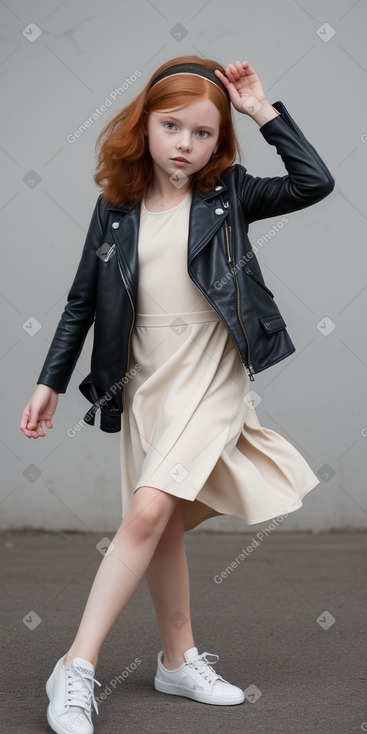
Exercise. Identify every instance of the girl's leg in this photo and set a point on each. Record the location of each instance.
(122, 569)
(168, 580)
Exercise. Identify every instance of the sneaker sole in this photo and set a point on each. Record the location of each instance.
(176, 690)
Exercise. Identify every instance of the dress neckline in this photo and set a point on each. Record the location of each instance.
(166, 211)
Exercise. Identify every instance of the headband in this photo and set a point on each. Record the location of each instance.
(198, 69)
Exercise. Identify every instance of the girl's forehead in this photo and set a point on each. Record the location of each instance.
(203, 107)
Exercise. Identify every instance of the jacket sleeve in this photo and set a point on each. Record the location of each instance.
(78, 314)
(308, 180)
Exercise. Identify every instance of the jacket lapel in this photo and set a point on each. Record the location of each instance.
(207, 215)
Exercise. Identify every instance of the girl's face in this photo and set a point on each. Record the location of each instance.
(191, 133)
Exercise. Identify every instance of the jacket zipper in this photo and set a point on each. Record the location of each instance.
(219, 314)
(249, 369)
(131, 328)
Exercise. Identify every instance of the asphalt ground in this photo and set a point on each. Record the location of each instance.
(287, 619)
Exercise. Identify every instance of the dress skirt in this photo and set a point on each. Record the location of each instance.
(189, 428)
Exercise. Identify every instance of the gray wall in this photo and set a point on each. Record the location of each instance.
(315, 264)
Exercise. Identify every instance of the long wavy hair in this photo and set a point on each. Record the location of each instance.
(124, 164)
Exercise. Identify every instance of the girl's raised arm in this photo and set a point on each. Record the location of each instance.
(308, 180)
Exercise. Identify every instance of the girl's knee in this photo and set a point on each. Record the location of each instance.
(173, 534)
(149, 512)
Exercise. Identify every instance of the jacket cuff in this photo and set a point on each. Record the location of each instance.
(51, 383)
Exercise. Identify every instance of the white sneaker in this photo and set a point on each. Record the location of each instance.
(70, 690)
(196, 679)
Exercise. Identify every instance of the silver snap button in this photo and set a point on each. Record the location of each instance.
(115, 225)
(219, 211)
(218, 188)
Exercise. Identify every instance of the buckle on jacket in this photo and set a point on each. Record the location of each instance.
(110, 417)
(111, 410)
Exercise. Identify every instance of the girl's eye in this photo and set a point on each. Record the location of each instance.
(173, 125)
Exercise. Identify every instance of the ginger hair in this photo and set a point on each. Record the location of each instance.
(124, 164)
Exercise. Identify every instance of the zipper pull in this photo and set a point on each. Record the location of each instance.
(110, 253)
(250, 372)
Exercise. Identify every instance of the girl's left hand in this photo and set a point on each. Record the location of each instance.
(243, 86)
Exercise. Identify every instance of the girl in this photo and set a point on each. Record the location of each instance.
(174, 288)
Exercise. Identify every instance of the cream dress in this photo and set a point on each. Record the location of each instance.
(188, 425)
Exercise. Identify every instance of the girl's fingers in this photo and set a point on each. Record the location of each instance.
(245, 69)
(239, 66)
(238, 71)
(38, 431)
(231, 71)
(24, 420)
(31, 433)
(41, 427)
(222, 78)
(24, 425)
(234, 72)
(37, 428)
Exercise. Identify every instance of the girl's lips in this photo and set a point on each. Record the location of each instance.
(180, 160)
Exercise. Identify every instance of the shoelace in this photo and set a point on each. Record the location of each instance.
(201, 664)
(80, 686)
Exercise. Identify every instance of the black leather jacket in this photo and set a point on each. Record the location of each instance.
(221, 263)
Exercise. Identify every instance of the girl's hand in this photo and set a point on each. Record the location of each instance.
(244, 87)
(40, 408)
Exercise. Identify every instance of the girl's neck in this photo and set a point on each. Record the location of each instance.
(156, 201)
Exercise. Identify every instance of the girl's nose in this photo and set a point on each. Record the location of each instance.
(184, 143)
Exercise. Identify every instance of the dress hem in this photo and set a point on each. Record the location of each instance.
(216, 511)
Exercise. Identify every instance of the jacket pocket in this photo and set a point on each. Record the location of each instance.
(259, 281)
(272, 323)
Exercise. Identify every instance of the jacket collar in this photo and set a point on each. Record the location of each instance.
(205, 195)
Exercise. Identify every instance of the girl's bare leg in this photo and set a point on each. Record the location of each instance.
(122, 569)
(168, 580)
